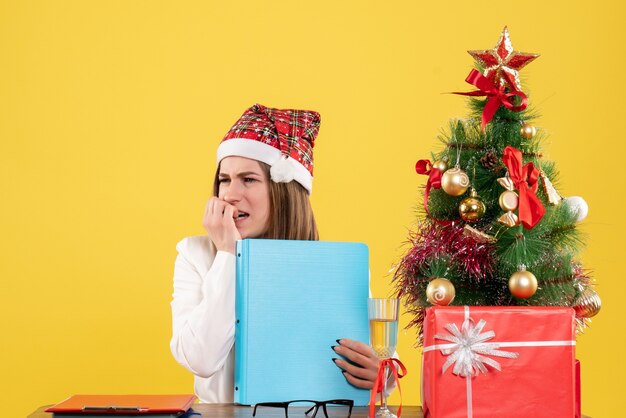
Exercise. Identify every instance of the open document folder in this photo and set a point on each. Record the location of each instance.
(294, 299)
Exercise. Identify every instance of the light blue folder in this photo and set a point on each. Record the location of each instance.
(294, 299)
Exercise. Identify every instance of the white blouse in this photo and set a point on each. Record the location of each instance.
(203, 317)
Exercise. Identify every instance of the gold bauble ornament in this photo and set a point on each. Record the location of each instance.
(588, 304)
(441, 165)
(440, 292)
(455, 181)
(523, 284)
(472, 208)
(528, 131)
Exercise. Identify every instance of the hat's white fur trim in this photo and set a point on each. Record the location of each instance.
(286, 169)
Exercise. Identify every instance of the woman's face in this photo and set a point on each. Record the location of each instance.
(244, 184)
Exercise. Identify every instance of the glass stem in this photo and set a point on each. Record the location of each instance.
(383, 394)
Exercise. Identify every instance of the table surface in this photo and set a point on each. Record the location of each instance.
(236, 411)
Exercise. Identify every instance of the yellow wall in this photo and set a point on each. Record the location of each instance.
(111, 111)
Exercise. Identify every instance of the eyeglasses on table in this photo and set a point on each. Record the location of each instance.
(334, 408)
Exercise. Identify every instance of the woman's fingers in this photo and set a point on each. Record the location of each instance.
(357, 352)
(359, 383)
(208, 220)
(356, 371)
(360, 365)
(219, 223)
(214, 210)
(357, 346)
(229, 215)
(218, 206)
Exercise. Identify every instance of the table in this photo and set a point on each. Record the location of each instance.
(236, 411)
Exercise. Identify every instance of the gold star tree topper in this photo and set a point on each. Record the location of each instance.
(502, 63)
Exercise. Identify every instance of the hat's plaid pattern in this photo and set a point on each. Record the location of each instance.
(291, 131)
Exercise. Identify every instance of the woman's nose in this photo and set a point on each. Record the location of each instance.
(233, 192)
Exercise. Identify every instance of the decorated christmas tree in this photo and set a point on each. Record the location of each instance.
(493, 230)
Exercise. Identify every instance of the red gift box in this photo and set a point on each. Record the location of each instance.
(534, 348)
(577, 375)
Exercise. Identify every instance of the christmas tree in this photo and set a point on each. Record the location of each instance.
(493, 230)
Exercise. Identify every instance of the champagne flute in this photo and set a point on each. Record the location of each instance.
(383, 317)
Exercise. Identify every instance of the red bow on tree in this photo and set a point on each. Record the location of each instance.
(497, 95)
(434, 177)
(434, 180)
(525, 178)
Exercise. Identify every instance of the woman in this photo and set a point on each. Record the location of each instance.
(261, 190)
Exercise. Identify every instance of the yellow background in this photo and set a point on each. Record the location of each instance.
(111, 112)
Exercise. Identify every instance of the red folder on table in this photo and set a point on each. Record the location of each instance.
(128, 405)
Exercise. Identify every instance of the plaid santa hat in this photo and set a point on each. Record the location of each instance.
(281, 138)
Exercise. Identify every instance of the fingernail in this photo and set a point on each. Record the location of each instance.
(332, 347)
(334, 359)
(338, 341)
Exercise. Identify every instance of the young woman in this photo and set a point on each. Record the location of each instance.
(261, 190)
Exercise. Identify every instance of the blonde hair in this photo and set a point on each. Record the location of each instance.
(291, 215)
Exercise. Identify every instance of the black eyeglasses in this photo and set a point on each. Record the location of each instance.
(335, 408)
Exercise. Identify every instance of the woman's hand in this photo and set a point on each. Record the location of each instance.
(362, 367)
(219, 223)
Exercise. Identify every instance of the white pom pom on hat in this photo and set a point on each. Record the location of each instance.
(282, 171)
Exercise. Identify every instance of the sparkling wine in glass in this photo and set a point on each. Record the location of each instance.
(384, 336)
(383, 317)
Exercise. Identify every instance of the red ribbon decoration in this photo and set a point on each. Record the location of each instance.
(434, 180)
(497, 96)
(525, 178)
(380, 381)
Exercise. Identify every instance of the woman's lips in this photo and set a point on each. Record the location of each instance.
(241, 216)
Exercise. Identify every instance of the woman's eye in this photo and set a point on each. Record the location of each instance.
(249, 180)
(222, 180)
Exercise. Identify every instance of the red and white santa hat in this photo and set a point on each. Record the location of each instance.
(281, 138)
